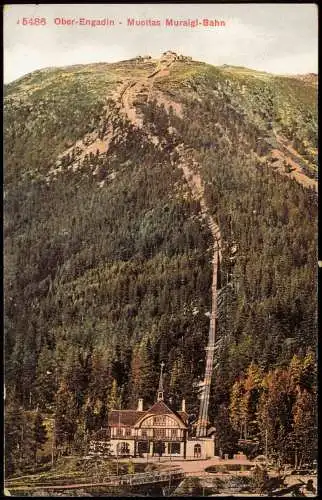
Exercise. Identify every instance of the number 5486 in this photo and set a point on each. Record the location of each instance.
(34, 21)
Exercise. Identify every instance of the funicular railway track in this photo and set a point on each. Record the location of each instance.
(192, 176)
(194, 181)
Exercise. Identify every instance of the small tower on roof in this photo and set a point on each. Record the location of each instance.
(160, 395)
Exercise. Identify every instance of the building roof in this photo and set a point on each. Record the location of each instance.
(160, 408)
(128, 418)
(183, 415)
(124, 417)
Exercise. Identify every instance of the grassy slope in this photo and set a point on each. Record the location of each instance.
(52, 108)
(48, 110)
(287, 105)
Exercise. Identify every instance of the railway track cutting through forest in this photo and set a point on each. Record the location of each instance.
(191, 171)
(195, 183)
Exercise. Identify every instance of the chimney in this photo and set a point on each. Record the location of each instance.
(183, 405)
(140, 405)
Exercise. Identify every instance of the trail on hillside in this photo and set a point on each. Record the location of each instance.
(288, 162)
(130, 90)
(124, 100)
(127, 99)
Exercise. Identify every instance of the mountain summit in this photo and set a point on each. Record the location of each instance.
(282, 108)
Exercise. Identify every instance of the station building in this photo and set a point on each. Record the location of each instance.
(156, 431)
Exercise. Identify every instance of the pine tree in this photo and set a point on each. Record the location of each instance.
(275, 413)
(244, 413)
(66, 416)
(13, 429)
(227, 436)
(253, 387)
(40, 433)
(175, 385)
(88, 415)
(46, 384)
(143, 375)
(295, 370)
(308, 376)
(114, 399)
(304, 435)
(236, 396)
(80, 439)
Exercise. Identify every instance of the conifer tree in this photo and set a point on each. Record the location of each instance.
(40, 433)
(66, 416)
(227, 436)
(275, 413)
(303, 437)
(237, 393)
(13, 428)
(114, 399)
(143, 375)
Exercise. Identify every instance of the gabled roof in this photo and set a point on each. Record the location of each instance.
(160, 408)
(128, 418)
(124, 418)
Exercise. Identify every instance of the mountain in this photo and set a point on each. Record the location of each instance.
(109, 171)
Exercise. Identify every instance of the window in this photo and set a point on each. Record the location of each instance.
(128, 431)
(99, 447)
(119, 431)
(158, 448)
(143, 447)
(174, 448)
(159, 433)
(197, 451)
(174, 433)
(144, 433)
(159, 420)
(123, 449)
(147, 422)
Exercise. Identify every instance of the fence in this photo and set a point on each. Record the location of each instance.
(123, 480)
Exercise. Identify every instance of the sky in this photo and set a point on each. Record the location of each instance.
(278, 38)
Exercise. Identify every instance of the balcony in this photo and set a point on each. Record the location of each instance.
(158, 437)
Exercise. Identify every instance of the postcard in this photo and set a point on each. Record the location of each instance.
(160, 249)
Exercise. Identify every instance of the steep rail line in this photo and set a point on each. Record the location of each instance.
(193, 179)
(195, 183)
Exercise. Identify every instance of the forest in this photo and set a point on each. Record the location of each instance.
(107, 275)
